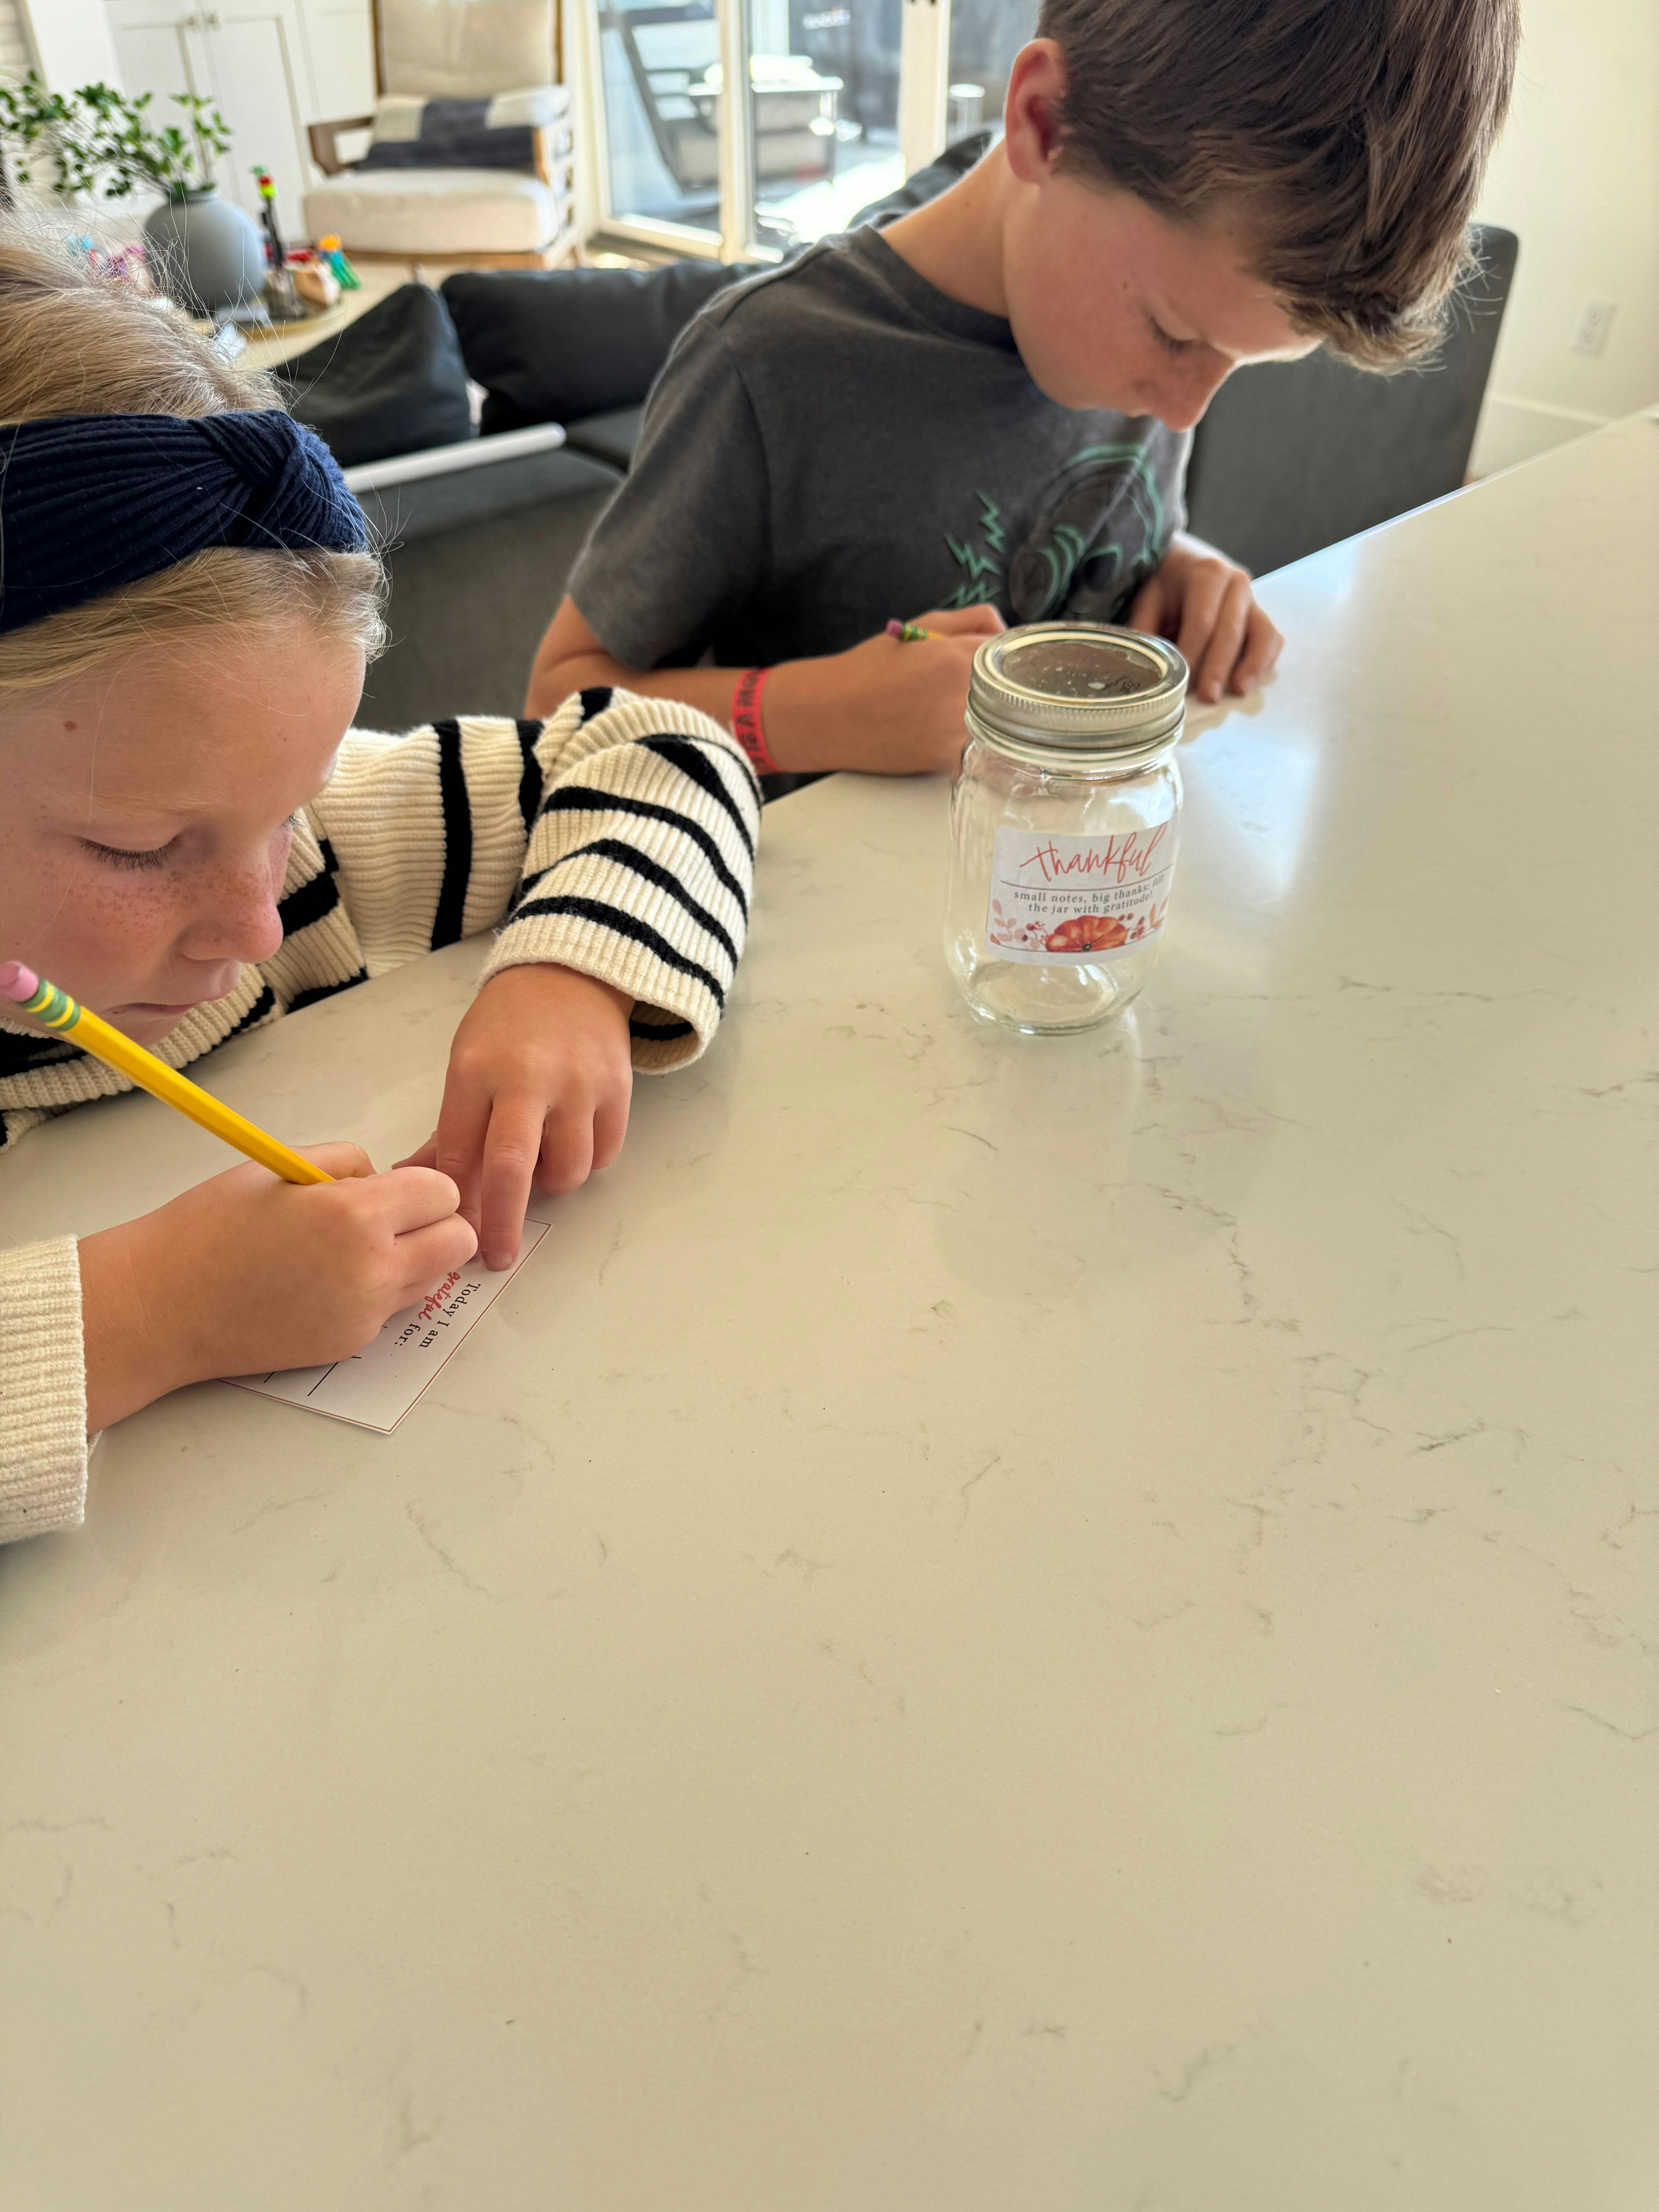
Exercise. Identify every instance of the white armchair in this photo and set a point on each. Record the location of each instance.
(442, 66)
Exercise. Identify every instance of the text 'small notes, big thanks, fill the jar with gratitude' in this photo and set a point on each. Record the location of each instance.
(1064, 816)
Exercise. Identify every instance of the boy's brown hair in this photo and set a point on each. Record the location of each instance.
(1357, 129)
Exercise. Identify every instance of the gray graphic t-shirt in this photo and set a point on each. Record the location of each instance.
(836, 442)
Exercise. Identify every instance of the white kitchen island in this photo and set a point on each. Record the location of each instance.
(991, 1625)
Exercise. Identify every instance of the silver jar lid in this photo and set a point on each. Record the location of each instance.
(1084, 689)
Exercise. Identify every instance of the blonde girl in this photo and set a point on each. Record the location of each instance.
(194, 841)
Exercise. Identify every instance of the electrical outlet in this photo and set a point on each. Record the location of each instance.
(1595, 321)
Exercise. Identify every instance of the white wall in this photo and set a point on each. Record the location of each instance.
(1576, 178)
(73, 42)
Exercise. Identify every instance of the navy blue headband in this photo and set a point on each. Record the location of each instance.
(90, 502)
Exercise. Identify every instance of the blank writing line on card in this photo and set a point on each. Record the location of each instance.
(376, 1387)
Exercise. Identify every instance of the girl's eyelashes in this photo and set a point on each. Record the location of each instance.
(156, 856)
(1169, 344)
(117, 856)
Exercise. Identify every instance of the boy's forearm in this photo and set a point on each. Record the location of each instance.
(804, 709)
(884, 706)
(552, 682)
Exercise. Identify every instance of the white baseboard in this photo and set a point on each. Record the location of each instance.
(1514, 430)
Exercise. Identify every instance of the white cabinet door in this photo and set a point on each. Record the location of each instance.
(160, 46)
(161, 49)
(261, 82)
(248, 56)
(342, 40)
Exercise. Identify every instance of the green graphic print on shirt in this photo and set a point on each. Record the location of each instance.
(981, 572)
(1100, 533)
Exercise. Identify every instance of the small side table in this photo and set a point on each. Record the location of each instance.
(267, 344)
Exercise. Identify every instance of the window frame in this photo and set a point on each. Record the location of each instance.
(924, 80)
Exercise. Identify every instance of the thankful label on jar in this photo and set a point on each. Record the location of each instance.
(1081, 899)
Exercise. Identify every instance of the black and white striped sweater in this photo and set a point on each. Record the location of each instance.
(616, 838)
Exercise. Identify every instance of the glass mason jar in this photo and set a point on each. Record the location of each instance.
(1063, 817)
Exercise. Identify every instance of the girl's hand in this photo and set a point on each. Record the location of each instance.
(1202, 602)
(247, 1274)
(541, 1075)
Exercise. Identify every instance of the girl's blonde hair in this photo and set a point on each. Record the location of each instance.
(74, 344)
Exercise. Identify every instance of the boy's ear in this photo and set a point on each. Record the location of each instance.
(1031, 112)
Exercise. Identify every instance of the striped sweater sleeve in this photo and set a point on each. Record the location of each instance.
(617, 838)
(43, 1391)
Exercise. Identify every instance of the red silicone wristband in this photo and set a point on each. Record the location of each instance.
(746, 724)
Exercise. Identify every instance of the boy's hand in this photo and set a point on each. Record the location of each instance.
(247, 1274)
(885, 707)
(1202, 602)
(541, 1075)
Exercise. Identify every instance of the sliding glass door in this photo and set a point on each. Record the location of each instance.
(657, 126)
(824, 97)
(842, 99)
(983, 38)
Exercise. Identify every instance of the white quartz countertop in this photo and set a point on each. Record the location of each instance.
(991, 1625)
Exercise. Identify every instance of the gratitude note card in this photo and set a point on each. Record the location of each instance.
(378, 1385)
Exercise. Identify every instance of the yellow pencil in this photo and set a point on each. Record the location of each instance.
(48, 1004)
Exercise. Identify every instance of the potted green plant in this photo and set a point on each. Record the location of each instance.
(203, 252)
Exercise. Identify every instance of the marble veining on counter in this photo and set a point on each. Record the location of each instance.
(1058, 1624)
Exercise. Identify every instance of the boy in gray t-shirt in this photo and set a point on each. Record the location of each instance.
(982, 412)
(838, 441)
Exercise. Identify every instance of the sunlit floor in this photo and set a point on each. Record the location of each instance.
(818, 209)
(866, 168)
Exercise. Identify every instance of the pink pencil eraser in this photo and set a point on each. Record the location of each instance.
(17, 982)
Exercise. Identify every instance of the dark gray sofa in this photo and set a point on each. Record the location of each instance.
(478, 554)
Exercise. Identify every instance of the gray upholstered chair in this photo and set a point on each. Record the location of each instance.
(1293, 455)
(478, 538)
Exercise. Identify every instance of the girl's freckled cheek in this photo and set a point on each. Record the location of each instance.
(124, 892)
(128, 909)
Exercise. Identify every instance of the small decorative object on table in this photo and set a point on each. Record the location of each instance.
(283, 303)
(331, 249)
(314, 280)
(203, 251)
(1063, 817)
